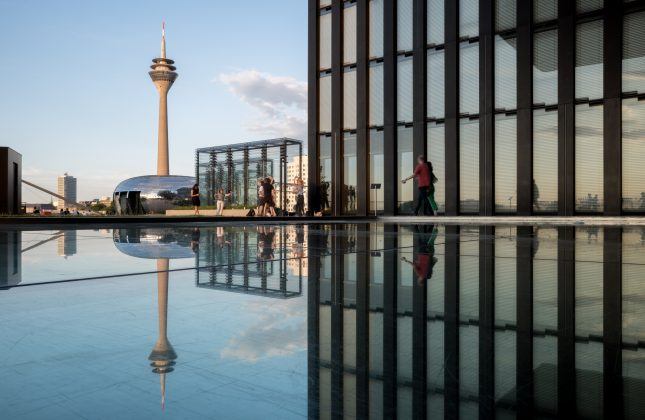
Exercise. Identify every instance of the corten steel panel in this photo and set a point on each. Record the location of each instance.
(612, 322)
(613, 47)
(486, 109)
(390, 276)
(566, 93)
(362, 104)
(566, 321)
(524, 108)
(419, 78)
(362, 320)
(337, 104)
(389, 96)
(524, 314)
(451, 9)
(451, 324)
(486, 321)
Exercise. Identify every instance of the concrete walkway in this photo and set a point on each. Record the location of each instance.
(519, 220)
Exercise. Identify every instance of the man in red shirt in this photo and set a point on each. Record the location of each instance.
(423, 176)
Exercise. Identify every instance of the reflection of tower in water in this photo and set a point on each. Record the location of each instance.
(163, 355)
(67, 243)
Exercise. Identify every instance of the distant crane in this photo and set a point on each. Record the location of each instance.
(52, 193)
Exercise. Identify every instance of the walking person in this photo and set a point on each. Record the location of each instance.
(433, 180)
(269, 203)
(422, 174)
(219, 198)
(299, 191)
(194, 197)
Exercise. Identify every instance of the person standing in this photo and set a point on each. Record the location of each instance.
(269, 203)
(433, 180)
(194, 197)
(422, 174)
(219, 198)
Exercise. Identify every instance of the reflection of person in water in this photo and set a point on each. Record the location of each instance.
(221, 237)
(536, 196)
(194, 240)
(424, 260)
(265, 242)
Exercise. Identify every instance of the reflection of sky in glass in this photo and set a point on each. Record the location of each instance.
(376, 94)
(545, 68)
(545, 158)
(349, 99)
(589, 60)
(469, 165)
(436, 84)
(324, 104)
(634, 53)
(376, 28)
(633, 146)
(505, 163)
(435, 17)
(349, 33)
(404, 90)
(468, 18)
(404, 12)
(505, 73)
(469, 78)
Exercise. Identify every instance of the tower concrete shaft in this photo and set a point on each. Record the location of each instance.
(163, 75)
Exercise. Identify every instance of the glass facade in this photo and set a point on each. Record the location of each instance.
(349, 173)
(469, 166)
(326, 173)
(545, 161)
(589, 158)
(567, 119)
(377, 165)
(405, 167)
(505, 163)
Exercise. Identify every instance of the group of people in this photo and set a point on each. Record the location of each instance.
(266, 192)
(426, 179)
(219, 196)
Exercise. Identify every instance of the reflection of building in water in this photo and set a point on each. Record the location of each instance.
(10, 258)
(67, 243)
(162, 245)
(247, 260)
(516, 323)
(163, 355)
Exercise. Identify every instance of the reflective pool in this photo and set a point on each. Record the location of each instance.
(322, 321)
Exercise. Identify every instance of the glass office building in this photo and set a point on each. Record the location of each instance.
(522, 106)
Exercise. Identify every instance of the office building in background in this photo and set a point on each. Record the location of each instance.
(67, 188)
(523, 107)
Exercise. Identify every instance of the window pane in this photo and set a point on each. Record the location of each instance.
(589, 158)
(349, 173)
(583, 6)
(469, 165)
(376, 28)
(376, 94)
(349, 99)
(505, 73)
(405, 162)
(468, 18)
(404, 25)
(545, 161)
(325, 172)
(505, 163)
(349, 33)
(436, 17)
(589, 60)
(437, 156)
(505, 14)
(377, 165)
(404, 90)
(325, 41)
(545, 10)
(633, 155)
(436, 96)
(545, 68)
(324, 3)
(324, 104)
(634, 53)
(469, 78)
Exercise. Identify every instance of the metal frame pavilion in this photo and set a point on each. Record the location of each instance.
(219, 166)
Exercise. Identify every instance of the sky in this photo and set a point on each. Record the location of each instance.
(76, 96)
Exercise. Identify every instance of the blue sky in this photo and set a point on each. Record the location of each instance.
(76, 96)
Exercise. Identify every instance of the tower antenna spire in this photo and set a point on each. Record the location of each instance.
(163, 39)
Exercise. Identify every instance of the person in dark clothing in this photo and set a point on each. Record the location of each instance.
(424, 179)
(194, 197)
(269, 203)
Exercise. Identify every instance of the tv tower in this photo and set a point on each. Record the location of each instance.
(163, 75)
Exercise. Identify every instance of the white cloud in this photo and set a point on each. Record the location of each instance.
(278, 329)
(280, 102)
